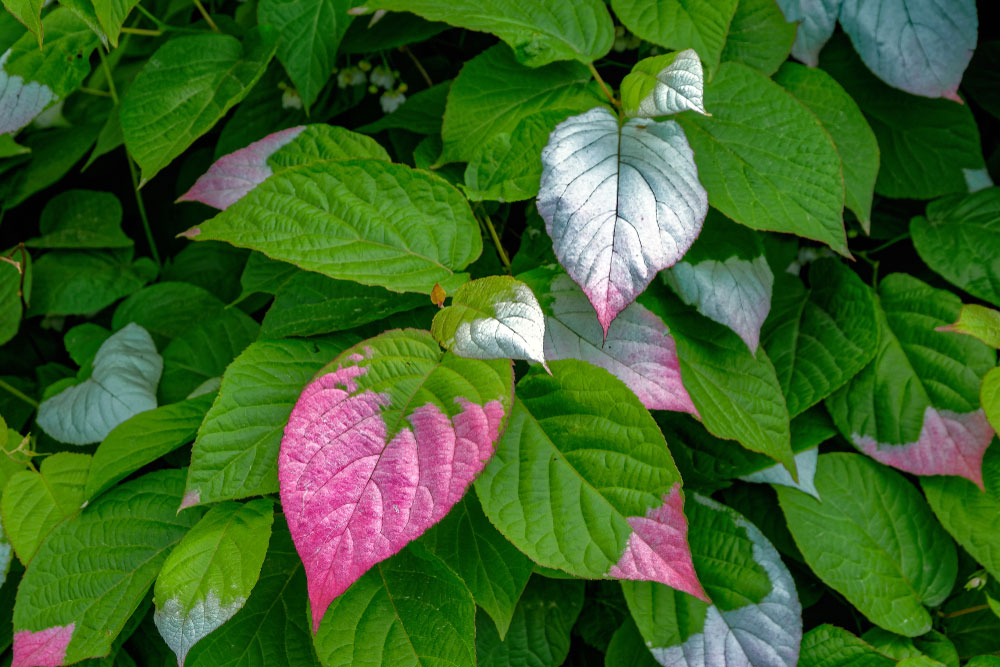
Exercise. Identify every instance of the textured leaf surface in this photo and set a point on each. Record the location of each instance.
(916, 405)
(93, 571)
(638, 349)
(144, 438)
(989, 396)
(126, 371)
(236, 452)
(539, 32)
(68, 282)
(979, 322)
(755, 618)
(379, 448)
(664, 85)
(620, 203)
(830, 646)
(81, 219)
(843, 540)
(580, 439)
(960, 239)
(409, 610)
(175, 98)
(701, 25)
(271, 628)
(726, 277)
(856, 143)
(36, 502)
(759, 36)
(10, 301)
(364, 220)
(816, 19)
(234, 175)
(29, 13)
(208, 577)
(110, 15)
(788, 175)
(491, 567)
(497, 317)
(820, 337)
(494, 92)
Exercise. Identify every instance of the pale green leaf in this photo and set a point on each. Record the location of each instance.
(979, 322)
(110, 15)
(29, 13)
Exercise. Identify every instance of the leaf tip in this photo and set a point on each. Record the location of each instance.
(191, 498)
(191, 233)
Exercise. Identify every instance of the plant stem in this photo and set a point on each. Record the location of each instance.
(141, 31)
(496, 242)
(94, 91)
(963, 612)
(890, 242)
(142, 209)
(206, 16)
(112, 91)
(604, 86)
(420, 68)
(17, 392)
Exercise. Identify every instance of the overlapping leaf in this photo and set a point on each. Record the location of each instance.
(759, 36)
(77, 282)
(81, 219)
(664, 85)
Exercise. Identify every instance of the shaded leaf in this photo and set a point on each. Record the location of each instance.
(830, 646)
(81, 219)
(76, 282)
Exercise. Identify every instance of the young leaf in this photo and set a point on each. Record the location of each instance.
(664, 85)
(788, 176)
(979, 322)
(638, 349)
(830, 646)
(759, 36)
(960, 239)
(93, 572)
(126, 371)
(207, 578)
(580, 438)
(410, 610)
(620, 203)
(364, 220)
(821, 337)
(916, 405)
(492, 318)
(539, 32)
(843, 541)
(76, 282)
(233, 176)
(755, 618)
(236, 452)
(81, 219)
(726, 277)
(36, 502)
(816, 22)
(176, 98)
(379, 447)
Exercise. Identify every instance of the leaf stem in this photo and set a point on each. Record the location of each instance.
(142, 209)
(112, 91)
(963, 612)
(496, 241)
(205, 15)
(141, 31)
(420, 68)
(604, 86)
(20, 394)
(94, 91)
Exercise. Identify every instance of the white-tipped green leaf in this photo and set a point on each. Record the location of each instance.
(123, 383)
(621, 202)
(492, 318)
(805, 463)
(755, 616)
(664, 85)
(816, 19)
(210, 574)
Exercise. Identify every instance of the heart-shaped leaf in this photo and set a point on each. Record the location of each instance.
(620, 202)
(81, 219)
(126, 371)
(664, 85)
(492, 318)
(379, 447)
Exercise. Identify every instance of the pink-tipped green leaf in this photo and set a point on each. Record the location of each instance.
(379, 447)
(45, 648)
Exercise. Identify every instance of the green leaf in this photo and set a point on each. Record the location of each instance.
(491, 567)
(28, 12)
(36, 502)
(81, 219)
(408, 610)
(236, 452)
(265, 275)
(980, 322)
(363, 220)
(10, 148)
(628, 649)
(208, 577)
(10, 301)
(33, 78)
(581, 439)
(759, 36)
(142, 439)
(175, 98)
(309, 33)
(308, 304)
(539, 32)
(916, 405)
(788, 175)
(736, 393)
(271, 628)
(989, 397)
(53, 153)
(93, 571)
(933, 648)
(540, 628)
(167, 309)
(123, 383)
(701, 25)
(421, 113)
(754, 617)
(664, 85)
(856, 143)
(926, 145)
(111, 14)
(844, 542)
(494, 92)
(75, 282)
(215, 267)
(819, 338)
(830, 646)
(960, 239)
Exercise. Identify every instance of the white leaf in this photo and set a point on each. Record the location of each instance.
(664, 85)
(805, 462)
(816, 19)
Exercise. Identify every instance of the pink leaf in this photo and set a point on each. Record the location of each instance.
(352, 495)
(236, 174)
(950, 443)
(45, 648)
(658, 549)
